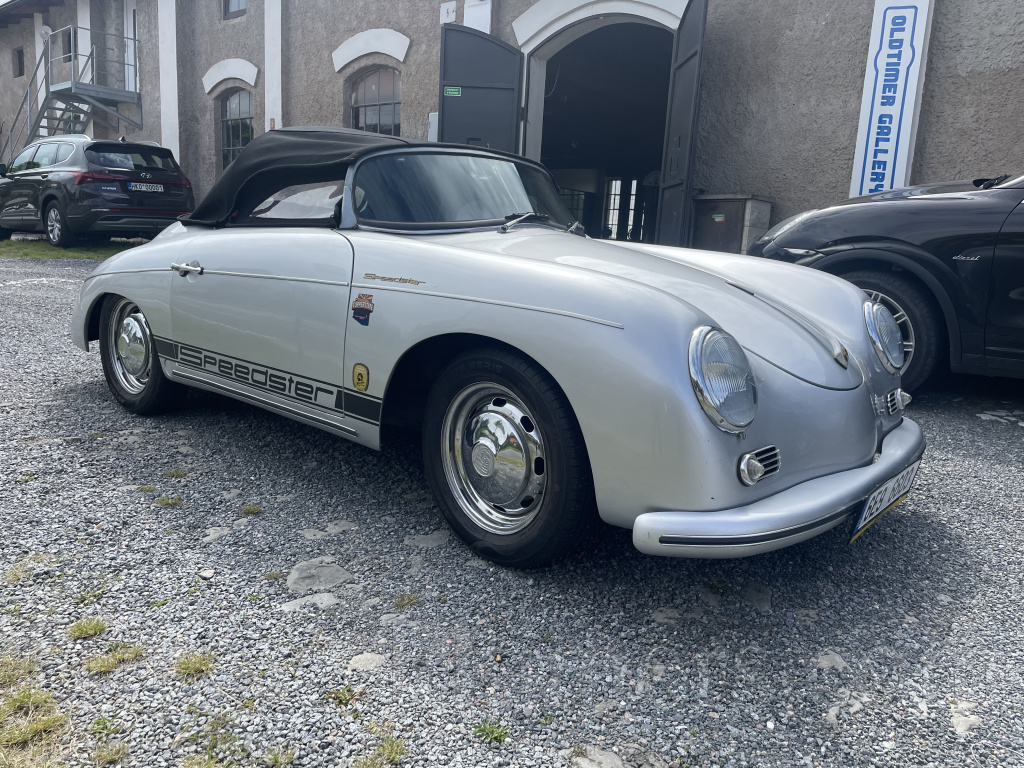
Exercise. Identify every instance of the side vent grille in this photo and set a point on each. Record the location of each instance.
(892, 402)
(769, 458)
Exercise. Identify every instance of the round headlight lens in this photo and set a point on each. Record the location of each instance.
(885, 336)
(722, 378)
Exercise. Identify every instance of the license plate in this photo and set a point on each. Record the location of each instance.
(885, 498)
(139, 186)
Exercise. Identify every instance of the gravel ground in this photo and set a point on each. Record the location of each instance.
(903, 649)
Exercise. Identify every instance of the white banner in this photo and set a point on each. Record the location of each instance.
(892, 95)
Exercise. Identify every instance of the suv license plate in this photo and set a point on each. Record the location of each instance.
(138, 186)
(885, 498)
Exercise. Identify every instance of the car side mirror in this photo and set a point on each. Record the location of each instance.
(3, 169)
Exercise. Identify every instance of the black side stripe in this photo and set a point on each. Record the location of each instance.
(166, 348)
(362, 407)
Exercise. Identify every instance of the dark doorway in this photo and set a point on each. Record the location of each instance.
(605, 100)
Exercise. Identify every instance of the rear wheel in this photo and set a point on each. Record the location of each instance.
(5, 234)
(917, 316)
(130, 363)
(505, 459)
(58, 233)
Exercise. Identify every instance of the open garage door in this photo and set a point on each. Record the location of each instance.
(675, 213)
(481, 89)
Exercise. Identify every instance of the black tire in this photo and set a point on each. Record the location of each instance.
(55, 224)
(135, 377)
(923, 321)
(507, 383)
(5, 234)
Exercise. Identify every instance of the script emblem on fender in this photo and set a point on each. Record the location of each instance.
(362, 307)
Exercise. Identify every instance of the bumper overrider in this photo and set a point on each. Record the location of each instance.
(789, 517)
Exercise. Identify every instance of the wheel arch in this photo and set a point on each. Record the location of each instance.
(92, 316)
(851, 261)
(405, 396)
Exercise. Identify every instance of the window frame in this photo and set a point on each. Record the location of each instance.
(225, 122)
(395, 104)
(229, 14)
(14, 165)
(18, 62)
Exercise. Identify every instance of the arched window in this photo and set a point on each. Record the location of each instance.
(377, 102)
(236, 123)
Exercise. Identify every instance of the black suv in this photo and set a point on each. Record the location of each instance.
(946, 259)
(67, 186)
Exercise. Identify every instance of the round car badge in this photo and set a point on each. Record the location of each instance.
(360, 377)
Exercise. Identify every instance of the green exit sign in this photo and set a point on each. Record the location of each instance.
(453, 90)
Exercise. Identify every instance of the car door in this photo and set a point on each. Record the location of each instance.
(14, 190)
(259, 313)
(34, 179)
(1004, 326)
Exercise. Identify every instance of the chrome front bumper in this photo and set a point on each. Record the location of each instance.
(789, 517)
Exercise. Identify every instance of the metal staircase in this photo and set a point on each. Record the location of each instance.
(83, 76)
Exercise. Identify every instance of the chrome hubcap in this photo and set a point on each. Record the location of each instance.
(906, 329)
(493, 456)
(131, 347)
(53, 224)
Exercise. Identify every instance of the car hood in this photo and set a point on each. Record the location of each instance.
(786, 315)
(908, 193)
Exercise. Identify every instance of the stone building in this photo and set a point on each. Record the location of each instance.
(780, 89)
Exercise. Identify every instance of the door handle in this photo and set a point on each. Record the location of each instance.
(184, 269)
(44, 176)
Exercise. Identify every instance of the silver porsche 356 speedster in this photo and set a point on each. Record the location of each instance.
(717, 405)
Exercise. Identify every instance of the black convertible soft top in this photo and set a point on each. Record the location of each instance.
(281, 158)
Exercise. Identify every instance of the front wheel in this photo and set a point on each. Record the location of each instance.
(505, 459)
(917, 316)
(130, 363)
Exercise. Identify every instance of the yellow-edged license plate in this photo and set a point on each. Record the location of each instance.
(885, 498)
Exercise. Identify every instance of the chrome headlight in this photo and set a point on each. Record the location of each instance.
(885, 335)
(722, 379)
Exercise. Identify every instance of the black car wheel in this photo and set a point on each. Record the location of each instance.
(130, 363)
(5, 234)
(505, 459)
(918, 318)
(57, 230)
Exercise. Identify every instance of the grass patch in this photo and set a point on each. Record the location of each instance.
(345, 697)
(491, 733)
(89, 596)
(27, 715)
(275, 575)
(108, 754)
(168, 501)
(193, 665)
(40, 249)
(278, 757)
(147, 489)
(116, 655)
(176, 474)
(86, 628)
(389, 751)
(28, 477)
(13, 670)
(160, 603)
(251, 509)
(405, 601)
(102, 728)
(203, 761)
(17, 573)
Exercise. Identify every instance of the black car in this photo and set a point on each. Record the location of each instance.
(67, 186)
(947, 259)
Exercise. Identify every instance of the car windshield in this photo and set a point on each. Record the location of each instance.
(131, 158)
(427, 190)
(1012, 181)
